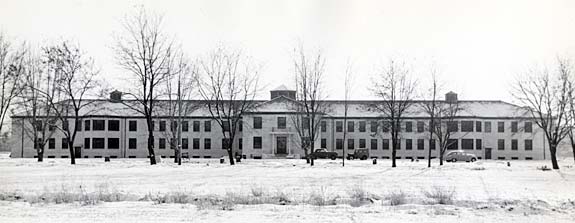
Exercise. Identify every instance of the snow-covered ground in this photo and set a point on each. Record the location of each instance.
(483, 191)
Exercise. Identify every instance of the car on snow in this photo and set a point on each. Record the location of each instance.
(361, 154)
(459, 155)
(323, 154)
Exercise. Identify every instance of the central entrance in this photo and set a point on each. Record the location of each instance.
(487, 153)
(281, 145)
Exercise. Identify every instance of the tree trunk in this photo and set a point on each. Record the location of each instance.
(572, 145)
(40, 151)
(393, 153)
(429, 154)
(553, 151)
(230, 154)
(306, 154)
(72, 153)
(151, 148)
(440, 157)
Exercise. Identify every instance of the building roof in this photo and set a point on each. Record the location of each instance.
(361, 108)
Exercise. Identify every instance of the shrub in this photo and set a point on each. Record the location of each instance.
(396, 198)
(321, 197)
(358, 196)
(440, 195)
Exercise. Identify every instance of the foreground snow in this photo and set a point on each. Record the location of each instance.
(484, 191)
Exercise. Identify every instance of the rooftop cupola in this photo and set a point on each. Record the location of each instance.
(116, 96)
(451, 97)
(282, 90)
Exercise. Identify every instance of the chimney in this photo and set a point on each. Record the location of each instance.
(451, 97)
(282, 91)
(116, 96)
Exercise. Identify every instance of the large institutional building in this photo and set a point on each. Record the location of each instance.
(488, 129)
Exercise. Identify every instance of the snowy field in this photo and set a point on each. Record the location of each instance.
(283, 191)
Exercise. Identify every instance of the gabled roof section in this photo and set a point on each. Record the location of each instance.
(276, 105)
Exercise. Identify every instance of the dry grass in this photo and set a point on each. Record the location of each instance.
(396, 198)
(440, 195)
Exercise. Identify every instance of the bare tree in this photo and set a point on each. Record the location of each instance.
(546, 96)
(74, 78)
(37, 120)
(348, 87)
(179, 90)
(445, 124)
(394, 86)
(147, 53)
(308, 77)
(431, 108)
(228, 83)
(12, 67)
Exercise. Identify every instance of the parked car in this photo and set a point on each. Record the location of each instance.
(455, 156)
(361, 154)
(323, 154)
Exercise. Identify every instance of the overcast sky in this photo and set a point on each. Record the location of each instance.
(481, 46)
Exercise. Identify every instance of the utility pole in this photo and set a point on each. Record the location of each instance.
(179, 121)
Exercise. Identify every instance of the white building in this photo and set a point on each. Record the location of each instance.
(489, 129)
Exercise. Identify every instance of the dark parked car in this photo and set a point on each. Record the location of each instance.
(455, 156)
(323, 154)
(361, 154)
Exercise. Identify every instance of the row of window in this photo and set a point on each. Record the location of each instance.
(372, 157)
(452, 144)
(452, 126)
(114, 125)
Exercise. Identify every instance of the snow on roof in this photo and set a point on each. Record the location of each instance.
(197, 108)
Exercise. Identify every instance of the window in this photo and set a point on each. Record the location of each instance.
(174, 126)
(113, 143)
(86, 143)
(185, 126)
(452, 144)
(420, 144)
(99, 125)
(132, 126)
(501, 144)
(385, 144)
(225, 143)
(196, 126)
(339, 144)
(528, 145)
(467, 126)
(132, 143)
(162, 126)
(257, 142)
(373, 126)
(196, 143)
(528, 127)
(113, 125)
(51, 125)
(226, 126)
(350, 144)
(241, 125)
(350, 126)
(98, 143)
(282, 122)
(513, 126)
(420, 126)
(514, 145)
(385, 126)
(38, 125)
(305, 123)
(478, 126)
(257, 122)
(162, 143)
(452, 126)
(487, 126)
(79, 125)
(207, 126)
(323, 126)
(362, 143)
(478, 144)
(64, 143)
(408, 126)
(339, 126)
(373, 144)
(323, 143)
(51, 143)
(65, 125)
(361, 126)
(500, 126)
(467, 144)
(432, 144)
(408, 145)
(207, 143)
(185, 144)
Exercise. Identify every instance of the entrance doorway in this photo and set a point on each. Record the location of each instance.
(487, 153)
(78, 152)
(281, 145)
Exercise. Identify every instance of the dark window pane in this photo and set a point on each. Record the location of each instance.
(132, 143)
(513, 126)
(452, 144)
(281, 122)
(420, 144)
(361, 126)
(185, 144)
(133, 126)
(350, 126)
(500, 126)
(467, 126)
(432, 144)
(478, 144)
(350, 144)
(324, 143)
(207, 126)
(408, 126)
(478, 126)
(420, 126)
(528, 127)
(373, 126)
(98, 143)
(362, 143)
(99, 125)
(196, 126)
(487, 126)
(339, 144)
(467, 144)
(323, 126)
(64, 143)
(528, 144)
(257, 142)
(196, 144)
(514, 145)
(385, 144)
(452, 126)
(162, 143)
(113, 143)
(408, 144)
(113, 125)
(339, 126)
(51, 143)
(162, 126)
(373, 144)
(257, 123)
(86, 143)
(501, 144)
